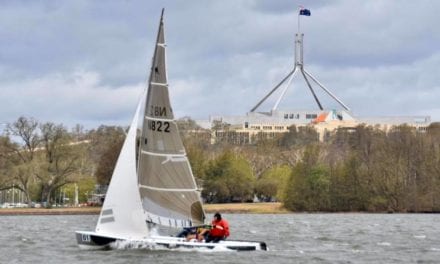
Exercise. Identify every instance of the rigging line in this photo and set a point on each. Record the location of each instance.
(167, 189)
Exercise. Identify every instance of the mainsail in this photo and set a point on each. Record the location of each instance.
(167, 187)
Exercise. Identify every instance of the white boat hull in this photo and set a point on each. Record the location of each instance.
(93, 240)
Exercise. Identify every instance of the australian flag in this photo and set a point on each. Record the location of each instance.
(304, 12)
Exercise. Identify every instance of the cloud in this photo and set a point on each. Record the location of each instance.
(365, 33)
(87, 62)
(79, 98)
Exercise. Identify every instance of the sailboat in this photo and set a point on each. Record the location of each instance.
(152, 184)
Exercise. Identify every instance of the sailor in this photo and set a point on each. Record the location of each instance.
(187, 231)
(195, 234)
(219, 230)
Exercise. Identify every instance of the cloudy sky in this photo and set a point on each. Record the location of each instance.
(86, 62)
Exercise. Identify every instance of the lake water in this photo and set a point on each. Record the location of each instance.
(292, 238)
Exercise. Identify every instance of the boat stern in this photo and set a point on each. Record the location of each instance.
(263, 246)
(89, 240)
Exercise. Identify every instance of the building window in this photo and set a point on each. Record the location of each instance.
(291, 116)
(246, 124)
(286, 116)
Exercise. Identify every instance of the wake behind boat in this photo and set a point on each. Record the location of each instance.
(152, 183)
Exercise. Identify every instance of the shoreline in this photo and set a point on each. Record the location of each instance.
(246, 208)
(51, 211)
(230, 208)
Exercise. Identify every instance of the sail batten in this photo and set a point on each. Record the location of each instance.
(159, 84)
(158, 119)
(167, 189)
(163, 154)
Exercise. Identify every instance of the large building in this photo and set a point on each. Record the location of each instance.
(248, 128)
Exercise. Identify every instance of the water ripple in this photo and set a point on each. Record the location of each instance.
(292, 238)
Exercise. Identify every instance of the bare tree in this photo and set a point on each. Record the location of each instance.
(6, 182)
(59, 160)
(106, 144)
(22, 155)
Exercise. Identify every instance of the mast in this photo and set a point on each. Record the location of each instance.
(299, 66)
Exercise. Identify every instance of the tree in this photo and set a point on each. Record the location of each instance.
(86, 185)
(309, 184)
(6, 165)
(197, 159)
(196, 141)
(22, 155)
(186, 124)
(270, 186)
(58, 162)
(228, 179)
(289, 139)
(347, 190)
(106, 143)
(299, 136)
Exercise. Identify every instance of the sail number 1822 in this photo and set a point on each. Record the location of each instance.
(159, 126)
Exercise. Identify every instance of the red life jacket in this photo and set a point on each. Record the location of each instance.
(220, 232)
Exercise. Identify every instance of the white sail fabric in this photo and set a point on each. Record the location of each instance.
(122, 215)
(166, 184)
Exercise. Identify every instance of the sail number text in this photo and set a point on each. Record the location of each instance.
(85, 238)
(158, 110)
(159, 126)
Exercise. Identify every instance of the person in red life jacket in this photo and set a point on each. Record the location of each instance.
(219, 230)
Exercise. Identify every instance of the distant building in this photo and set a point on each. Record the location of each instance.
(248, 128)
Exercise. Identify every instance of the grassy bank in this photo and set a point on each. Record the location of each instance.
(251, 208)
